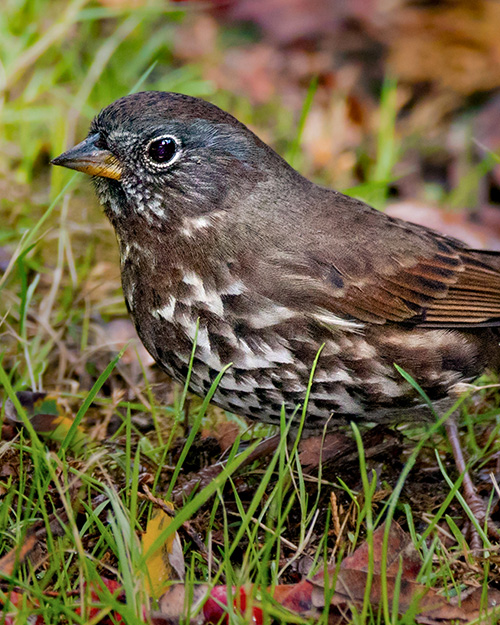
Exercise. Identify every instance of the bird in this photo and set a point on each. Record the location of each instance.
(227, 248)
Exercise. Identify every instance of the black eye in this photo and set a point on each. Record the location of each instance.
(162, 151)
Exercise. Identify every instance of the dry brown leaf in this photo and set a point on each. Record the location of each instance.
(225, 433)
(401, 553)
(351, 580)
(318, 449)
(17, 555)
(351, 586)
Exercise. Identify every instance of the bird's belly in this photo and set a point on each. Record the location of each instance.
(261, 373)
(267, 368)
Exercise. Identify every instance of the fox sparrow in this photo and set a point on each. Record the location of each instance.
(214, 226)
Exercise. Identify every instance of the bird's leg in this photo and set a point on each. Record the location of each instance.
(474, 501)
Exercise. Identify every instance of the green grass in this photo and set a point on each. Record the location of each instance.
(60, 63)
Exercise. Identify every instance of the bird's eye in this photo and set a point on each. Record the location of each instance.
(163, 151)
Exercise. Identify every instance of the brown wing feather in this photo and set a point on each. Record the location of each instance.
(463, 292)
(475, 298)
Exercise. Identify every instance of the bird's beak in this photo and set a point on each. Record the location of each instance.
(90, 159)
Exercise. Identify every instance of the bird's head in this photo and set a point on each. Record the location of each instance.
(157, 156)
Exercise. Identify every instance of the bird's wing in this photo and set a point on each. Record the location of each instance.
(372, 268)
(448, 288)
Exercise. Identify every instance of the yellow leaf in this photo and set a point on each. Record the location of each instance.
(167, 562)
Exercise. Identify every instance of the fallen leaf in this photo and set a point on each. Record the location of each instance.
(167, 562)
(286, 21)
(16, 556)
(225, 433)
(45, 416)
(99, 594)
(14, 603)
(315, 450)
(215, 609)
(351, 586)
(401, 554)
(428, 607)
(298, 598)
